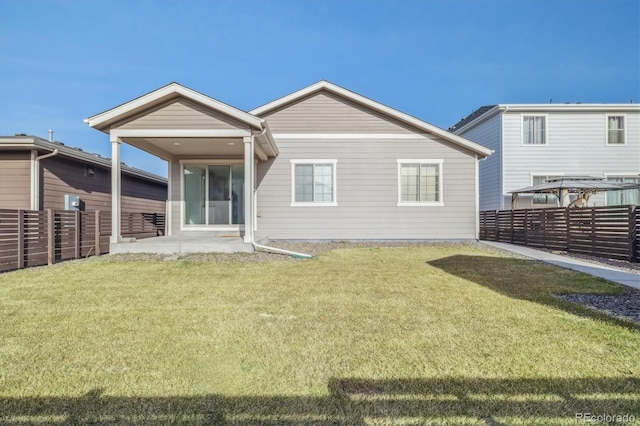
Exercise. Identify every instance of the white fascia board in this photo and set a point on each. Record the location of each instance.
(289, 98)
(179, 133)
(542, 108)
(167, 92)
(571, 107)
(376, 106)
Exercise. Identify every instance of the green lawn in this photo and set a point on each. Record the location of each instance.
(443, 334)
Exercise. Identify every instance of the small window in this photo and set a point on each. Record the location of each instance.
(90, 171)
(314, 182)
(420, 182)
(625, 197)
(534, 130)
(543, 199)
(615, 130)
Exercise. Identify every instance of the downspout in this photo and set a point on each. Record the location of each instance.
(35, 199)
(270, 249)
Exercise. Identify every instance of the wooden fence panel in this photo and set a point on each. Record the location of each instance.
(35, 241)
(9, 225)
(610, 232)
(33, 238)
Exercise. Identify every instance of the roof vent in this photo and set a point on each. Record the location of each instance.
(21, 134)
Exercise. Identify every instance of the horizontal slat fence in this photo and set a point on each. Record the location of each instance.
(33, 238)
(610, 232)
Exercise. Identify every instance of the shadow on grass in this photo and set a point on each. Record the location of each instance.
(349, 402)
(533, 281)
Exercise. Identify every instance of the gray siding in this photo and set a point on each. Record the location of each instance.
(60, 176)
(576, 145)
(180, 114)
(367, 192)
(15, 180)
(325, 112)
(488, 133)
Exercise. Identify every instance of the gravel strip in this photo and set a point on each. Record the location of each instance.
(626, 305)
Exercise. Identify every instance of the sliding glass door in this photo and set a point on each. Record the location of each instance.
(213, 194)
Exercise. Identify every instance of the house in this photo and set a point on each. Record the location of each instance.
(36, 174)
(322, 163)
(535, 142)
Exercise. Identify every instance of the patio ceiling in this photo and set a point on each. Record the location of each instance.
(170, 147)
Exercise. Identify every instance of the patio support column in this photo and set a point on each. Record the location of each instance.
(116, 180)
(248, 187)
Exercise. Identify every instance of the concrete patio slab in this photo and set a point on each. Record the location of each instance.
(210, 242)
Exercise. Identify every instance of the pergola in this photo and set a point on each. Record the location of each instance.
(582, 186)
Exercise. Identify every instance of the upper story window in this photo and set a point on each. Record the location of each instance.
(420, 182)
(615, 130)
(313, 182)
(534, 130)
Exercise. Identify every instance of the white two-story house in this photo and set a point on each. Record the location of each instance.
(533, 142)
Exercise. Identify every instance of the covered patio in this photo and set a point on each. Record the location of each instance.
(212, 150)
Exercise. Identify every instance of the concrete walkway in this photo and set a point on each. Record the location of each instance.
(619, 276)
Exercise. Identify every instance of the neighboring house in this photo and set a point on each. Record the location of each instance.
(36, 174)
(533, 142)
(322, 163)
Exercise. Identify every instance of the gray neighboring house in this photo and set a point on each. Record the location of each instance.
(323, 163)
(36, 174)
(533, 142)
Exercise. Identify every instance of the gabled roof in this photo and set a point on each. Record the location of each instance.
(28, 142)
(324, 85)
(170, 91)
(471, 117)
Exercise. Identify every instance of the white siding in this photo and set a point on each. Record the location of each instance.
(487, 133)
(576, 145)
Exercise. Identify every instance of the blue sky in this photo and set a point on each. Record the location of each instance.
(63, 61)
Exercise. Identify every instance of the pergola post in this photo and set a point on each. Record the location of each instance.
(248, 187)
(116, 186)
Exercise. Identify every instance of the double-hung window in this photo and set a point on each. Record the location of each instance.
(420, 182)
(615, 130)
(314, 183)
(534, 130)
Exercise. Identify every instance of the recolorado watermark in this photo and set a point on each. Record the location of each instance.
(622, 419)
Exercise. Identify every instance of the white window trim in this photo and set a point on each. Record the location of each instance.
(202, 227)
(545, 174)
(438, 162)
(546, 129)
(333, 163)
(606, 129)
(618, 175)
